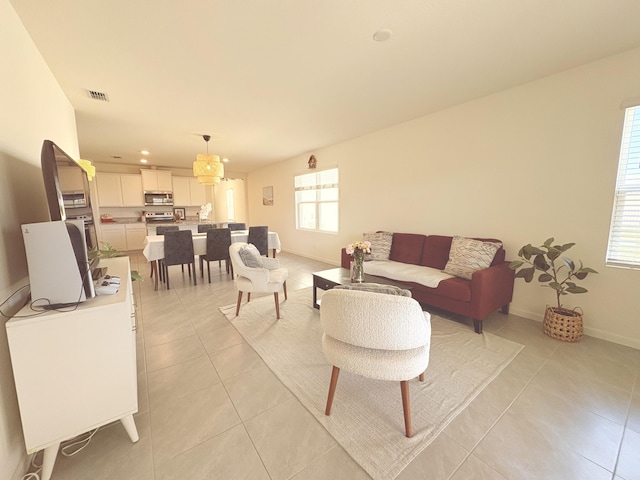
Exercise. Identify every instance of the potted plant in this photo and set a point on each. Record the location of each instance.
(559, 322)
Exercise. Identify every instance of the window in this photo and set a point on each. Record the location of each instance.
(624, 236)
(317, 201)
(230, 206)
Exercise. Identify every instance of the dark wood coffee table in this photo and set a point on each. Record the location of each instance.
(327, 279)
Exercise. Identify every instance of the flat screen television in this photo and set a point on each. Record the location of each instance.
(67, 188)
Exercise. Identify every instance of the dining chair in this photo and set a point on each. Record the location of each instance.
(237, 226)
(178, 250)
(204, 227)
(257, 274)
(161, 230)
(378, 336)
(218, 243)
(259, 236)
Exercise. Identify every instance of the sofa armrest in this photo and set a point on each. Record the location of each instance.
(345, 259)
(491, 289)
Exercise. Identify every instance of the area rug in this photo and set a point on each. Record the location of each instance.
(366, 418)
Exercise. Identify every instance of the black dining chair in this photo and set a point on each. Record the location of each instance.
(218, 242)
(237, 226)
(203, 227)
(259, 236)
(178, 250)
(161, 230)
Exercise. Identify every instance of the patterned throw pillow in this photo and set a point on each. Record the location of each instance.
(376, 288)
(380, 245)
(250, 256)
(467, 256)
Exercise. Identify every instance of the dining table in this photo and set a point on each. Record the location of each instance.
(153, 249)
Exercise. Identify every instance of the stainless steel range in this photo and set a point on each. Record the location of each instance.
(157, 217)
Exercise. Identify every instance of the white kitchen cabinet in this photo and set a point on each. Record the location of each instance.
(76, 370)
(188, 192)
(109, 190)
(135, 233)
(131, 187)
(114, 234)
(156, 180)
(116, 190)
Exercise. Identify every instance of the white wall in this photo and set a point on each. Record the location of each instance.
(522, 165)
(33, 109)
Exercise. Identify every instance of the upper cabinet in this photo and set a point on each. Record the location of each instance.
(115, 190)
(156, 181)
(187, 192)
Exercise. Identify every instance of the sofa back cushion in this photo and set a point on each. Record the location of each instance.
(407, 247)
(435, 253)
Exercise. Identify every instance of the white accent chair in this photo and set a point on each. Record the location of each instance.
(266, 277)
(376, 335)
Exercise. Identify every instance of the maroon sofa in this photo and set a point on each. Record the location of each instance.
(488, 290)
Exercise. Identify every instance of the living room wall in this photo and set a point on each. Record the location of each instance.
(520, 165)
(34, 108)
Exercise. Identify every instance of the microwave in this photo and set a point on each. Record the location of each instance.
(158, 198)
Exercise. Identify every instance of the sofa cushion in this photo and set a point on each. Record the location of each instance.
(435, 253)
(468, 255)
(380, 245)
(407, 247)
(376, 288)
(250, 256)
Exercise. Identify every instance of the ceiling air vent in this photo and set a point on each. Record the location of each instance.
(94, 95)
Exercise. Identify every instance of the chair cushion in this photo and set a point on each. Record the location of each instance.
(250, 256)
(380, 245)
(468, 255)
(376, 288)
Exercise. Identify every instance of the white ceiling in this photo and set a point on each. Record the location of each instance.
(272, 79)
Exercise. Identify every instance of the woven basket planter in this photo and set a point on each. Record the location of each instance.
(563, 324)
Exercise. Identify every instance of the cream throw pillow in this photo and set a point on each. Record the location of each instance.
(250, 256)
(380, 245)
(467, 256)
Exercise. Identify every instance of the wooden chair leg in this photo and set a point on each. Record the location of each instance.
(248, 297)
(166, 275)
(209, 271)
(284, 287)
(332, 389)
(406, 407)
(275, 296)
(195, 277)
(239, 300)
(421, 377)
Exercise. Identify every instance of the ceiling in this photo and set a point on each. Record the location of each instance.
(270, 80)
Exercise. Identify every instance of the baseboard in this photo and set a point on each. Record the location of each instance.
(306, 255)
(591, 332)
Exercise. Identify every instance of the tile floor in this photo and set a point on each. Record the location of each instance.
(209, 408)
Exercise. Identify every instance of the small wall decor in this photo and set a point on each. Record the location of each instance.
(312, 161)
(179, 213)
(267, 196)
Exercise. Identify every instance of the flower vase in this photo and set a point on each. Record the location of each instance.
(357, 268)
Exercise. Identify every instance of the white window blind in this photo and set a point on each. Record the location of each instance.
(624, 237)
(317, 201)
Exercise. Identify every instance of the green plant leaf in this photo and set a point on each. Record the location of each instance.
(526, 274)
(569, 263)
(526, 251)
(556, 286)
(576, 289)
(541, 263)
(515, 264)
(545, 277)
(553, 254)
(548, 241)
(566, 246)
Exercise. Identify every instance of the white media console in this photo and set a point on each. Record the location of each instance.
(76, 371)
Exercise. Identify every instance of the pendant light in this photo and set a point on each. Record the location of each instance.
(207, 167)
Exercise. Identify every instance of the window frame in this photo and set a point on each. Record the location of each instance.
(623, 245)
(323, 181)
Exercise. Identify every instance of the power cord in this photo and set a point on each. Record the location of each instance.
(69, 449)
